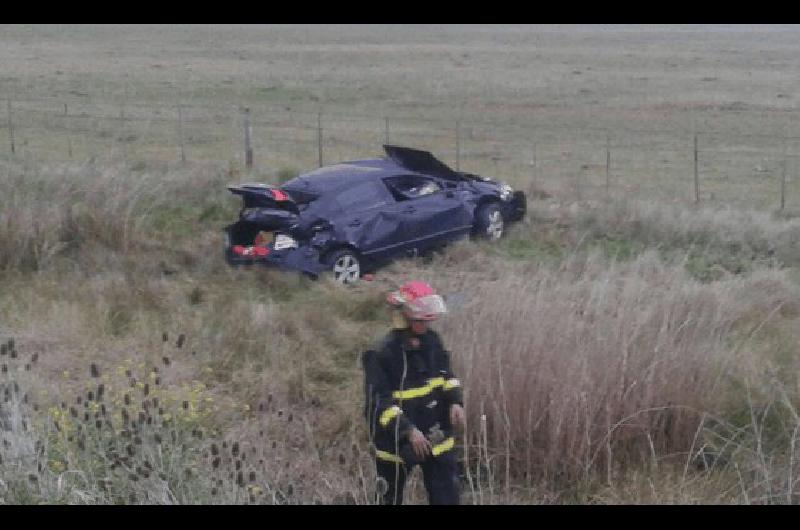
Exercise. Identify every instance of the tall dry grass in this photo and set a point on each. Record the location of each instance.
(747, 236)
(594, 368)
(83, 209)
(583, 373)
(131, 435)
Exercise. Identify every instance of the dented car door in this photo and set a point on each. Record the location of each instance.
(435, 219)
(371, 220)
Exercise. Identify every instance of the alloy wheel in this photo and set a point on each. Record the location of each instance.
(495, 228)
(346, 269)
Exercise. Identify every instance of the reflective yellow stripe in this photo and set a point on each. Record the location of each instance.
(389, 457)
(419, 391)
(451, 384)
(435, 451)
(389, 414)
(444, 446)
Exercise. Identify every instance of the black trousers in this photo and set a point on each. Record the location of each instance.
(439, 474)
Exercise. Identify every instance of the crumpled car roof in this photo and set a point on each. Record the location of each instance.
(330, 178)
(399, 160)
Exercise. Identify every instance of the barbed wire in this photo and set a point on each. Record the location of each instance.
(556, 151)
(58, 103)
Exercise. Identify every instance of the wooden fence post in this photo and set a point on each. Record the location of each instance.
(696, 172)
(319, 137)
(458, 145)
(534, 179)
(248, 147)
(69, 139)
(180, 135)
(608, 165)
(783, 185)
(11, 129)
(122, 137)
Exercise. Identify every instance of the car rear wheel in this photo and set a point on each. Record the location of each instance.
(489, 222)
(345, 265)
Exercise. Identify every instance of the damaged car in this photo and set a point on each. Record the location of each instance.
(353, 217)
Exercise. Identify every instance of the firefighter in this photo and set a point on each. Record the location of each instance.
(414, 402)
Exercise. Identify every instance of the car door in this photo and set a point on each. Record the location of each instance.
(371, 220)
(432, 213)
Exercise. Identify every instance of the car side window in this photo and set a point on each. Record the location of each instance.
(409, 187)
(361, 196)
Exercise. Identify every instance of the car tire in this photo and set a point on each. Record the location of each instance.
(345, 266)
(489, 223)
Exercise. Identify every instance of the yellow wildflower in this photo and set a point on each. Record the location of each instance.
(255, 490)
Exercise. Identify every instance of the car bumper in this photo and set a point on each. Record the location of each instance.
(303, 259)
(516, 207)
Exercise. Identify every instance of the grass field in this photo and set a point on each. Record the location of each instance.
(624, 349)
(533, 103)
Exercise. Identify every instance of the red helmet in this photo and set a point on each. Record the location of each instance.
(418, 300)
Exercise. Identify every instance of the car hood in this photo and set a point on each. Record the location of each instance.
(419, 161)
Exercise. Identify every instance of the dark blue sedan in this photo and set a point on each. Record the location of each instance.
(353, 217)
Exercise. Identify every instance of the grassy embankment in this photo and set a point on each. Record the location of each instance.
(610, 352)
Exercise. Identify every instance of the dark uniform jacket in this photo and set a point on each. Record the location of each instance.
(408, 387)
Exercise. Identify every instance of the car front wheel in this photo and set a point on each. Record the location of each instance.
(489, 222)
(345, 265)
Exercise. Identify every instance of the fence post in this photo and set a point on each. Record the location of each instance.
(534, 180)
(783, 185)
(248, 147)
(319, 137)
(11, 129)
(122, 137)
(69, 140)
(458, 145)
(696, 172)
(386, 127)
(608, 165)
(180, 135)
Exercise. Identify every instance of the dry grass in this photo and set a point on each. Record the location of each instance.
(623, 353)
(597, 367)
(582, 368)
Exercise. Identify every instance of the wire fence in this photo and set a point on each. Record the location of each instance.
(734, 167)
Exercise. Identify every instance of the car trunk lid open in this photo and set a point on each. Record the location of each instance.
(266, 212)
